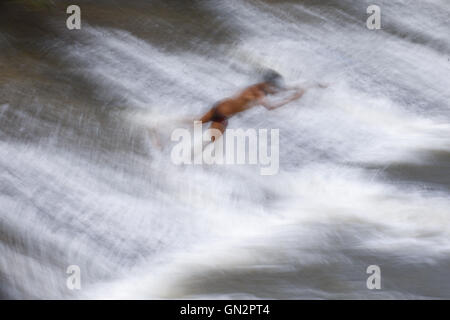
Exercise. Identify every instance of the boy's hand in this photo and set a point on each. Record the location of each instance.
(298, 94)
(317, 85)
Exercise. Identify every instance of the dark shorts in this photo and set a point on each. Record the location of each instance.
(219, 117)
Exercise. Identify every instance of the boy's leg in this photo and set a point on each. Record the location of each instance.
(207, 116)
(221, 126)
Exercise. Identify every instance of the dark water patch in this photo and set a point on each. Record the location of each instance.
(416, 36)
(343, 11)
(339, 271)
(172, 24)
(431, 171)
(434, 172)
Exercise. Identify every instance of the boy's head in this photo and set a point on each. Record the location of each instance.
(273, 78)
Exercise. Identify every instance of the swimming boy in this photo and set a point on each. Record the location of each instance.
(250, 97)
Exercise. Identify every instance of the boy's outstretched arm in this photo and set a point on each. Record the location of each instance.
(300, 91)
(295, 96)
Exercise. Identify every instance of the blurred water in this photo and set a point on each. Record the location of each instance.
(364, 164)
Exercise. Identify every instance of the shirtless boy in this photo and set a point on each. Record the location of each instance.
(248, 98)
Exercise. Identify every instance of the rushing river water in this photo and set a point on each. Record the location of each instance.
(364, 175)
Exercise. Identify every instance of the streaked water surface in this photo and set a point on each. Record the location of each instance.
(364, 165)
